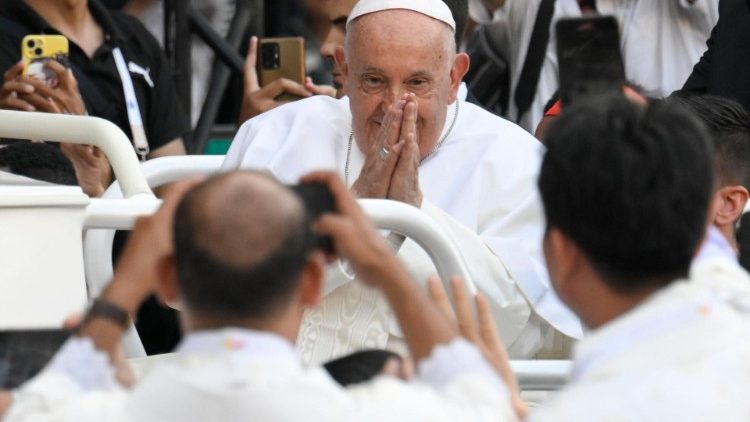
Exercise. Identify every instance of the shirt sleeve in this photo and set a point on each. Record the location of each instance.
(77, 370)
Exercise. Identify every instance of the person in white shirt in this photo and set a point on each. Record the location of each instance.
(626, 190)
(660, 41)
(401, 134)
(243, 263)
(729, 124)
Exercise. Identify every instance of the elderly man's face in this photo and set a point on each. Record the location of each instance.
(395, 52)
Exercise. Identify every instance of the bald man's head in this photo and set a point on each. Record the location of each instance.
(241, 241)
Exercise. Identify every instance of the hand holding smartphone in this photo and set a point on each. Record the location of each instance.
(282, 58)
(590, 61)
(37, 50)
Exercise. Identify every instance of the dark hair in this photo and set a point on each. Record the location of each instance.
(630, 185)
(213, 286)
(460, 11)
(729, 124)
(38, 161)
(359, 366)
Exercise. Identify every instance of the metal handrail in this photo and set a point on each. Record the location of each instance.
(81, 130)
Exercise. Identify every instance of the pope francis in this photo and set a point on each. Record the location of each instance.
(401, 134)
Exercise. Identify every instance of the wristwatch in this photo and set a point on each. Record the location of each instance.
(101, 308)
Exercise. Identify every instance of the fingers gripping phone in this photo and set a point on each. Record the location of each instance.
(37, 50)
(282, 58)
(589, 57)
(318, 200)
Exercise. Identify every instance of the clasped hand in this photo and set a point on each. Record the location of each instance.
(391, 168)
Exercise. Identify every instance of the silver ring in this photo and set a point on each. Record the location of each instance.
(383, 153)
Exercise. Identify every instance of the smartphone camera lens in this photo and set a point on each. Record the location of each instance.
(30, 43)
(38, 51)
(270, 56)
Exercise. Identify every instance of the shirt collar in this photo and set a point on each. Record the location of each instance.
(231, 339)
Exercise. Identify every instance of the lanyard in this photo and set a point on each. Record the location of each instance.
(131, 103)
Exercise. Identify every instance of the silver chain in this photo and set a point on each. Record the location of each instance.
(426, 157)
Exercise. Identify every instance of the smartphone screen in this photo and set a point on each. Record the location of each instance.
(590, 62)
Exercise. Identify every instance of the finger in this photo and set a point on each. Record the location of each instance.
(18, 85)
(344, 200)
(39, 103)
(409, 127)
(319, 89)
(13, 72)
(487, 327)
(467, 324)
(174, 193)
(285, 86)
(15, 103)
(55, 66)
(72, 321)
(250, 72)
(440, 298)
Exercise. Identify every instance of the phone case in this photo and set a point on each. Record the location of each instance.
(37, 49)
(285, 61)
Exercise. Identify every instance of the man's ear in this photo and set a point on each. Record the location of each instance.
(564, 259)
(458, 71)
(731, 202)
(167, 290)
(311, 279)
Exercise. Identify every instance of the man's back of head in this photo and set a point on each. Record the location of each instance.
(629, 187)
(241, 241)
(729, 124)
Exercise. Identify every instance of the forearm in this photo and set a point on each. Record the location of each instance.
(105, 333)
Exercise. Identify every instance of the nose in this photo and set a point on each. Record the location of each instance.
(391, 95)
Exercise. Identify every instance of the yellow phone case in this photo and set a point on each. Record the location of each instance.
(38, 49)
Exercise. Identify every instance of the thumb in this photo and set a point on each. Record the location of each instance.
(250, 73)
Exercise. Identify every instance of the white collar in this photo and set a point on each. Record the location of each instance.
(232, 339)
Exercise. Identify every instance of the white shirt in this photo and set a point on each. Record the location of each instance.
(242, 375)
(682, 355)
(480, 186)
(660, 40)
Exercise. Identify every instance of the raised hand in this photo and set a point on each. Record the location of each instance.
(404, 183)
(382, 155)
(480, 330)
(354, 235)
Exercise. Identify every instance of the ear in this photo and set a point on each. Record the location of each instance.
(311, 279)
(167, 290)
(564, 258)
(458, 71)
(729, 203)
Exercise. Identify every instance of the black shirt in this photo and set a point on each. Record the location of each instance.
(98, 79)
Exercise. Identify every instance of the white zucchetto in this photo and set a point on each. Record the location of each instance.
(435, 9)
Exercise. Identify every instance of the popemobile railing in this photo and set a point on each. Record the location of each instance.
(120, 206)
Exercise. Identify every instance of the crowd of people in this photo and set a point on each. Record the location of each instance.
(611, 240)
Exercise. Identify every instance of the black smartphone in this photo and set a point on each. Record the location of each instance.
(318, 200)
(589, 58)
(24, 353)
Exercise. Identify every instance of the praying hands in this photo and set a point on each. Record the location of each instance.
(391, 168)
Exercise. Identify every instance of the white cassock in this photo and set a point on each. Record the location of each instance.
(660, 40)
(243, 375)
(480, 186)
(682, 355)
